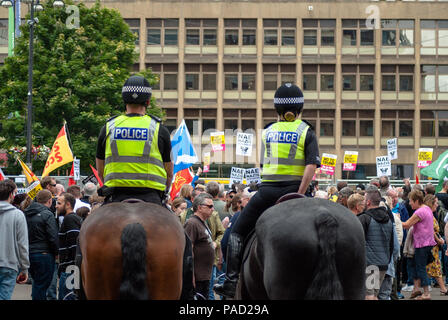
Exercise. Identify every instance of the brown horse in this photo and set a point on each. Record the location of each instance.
(132, 251)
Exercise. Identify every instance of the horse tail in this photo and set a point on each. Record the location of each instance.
(326, 284)
(133, 249)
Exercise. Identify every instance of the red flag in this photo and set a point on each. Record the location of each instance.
(2, 175)
(71, 181)
(416, 179)
(182, 177)
(96, 175)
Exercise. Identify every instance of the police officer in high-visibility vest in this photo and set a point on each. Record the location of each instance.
(134, 150)
(290, 156)
(134, 159)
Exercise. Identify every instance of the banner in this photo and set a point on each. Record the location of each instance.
(30, 176)
(253, 176)
(96, 175)
(438, 170)
(424, 157)
(218, 141)
(392, 149)
(33, 182)
(33, 189)
(244, 144)
(383, 166)
(60, 153)
(2, 175)
(328, 163)
(184, 155)
(206, 162)
(350, 160)
(182, 177)
(236, 176)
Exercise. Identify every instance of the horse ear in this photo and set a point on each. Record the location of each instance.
(290, 196)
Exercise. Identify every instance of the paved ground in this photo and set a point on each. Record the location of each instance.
(23, 292)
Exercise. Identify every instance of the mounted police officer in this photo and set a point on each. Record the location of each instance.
(134, 150)
(290, 156)
(134, 159)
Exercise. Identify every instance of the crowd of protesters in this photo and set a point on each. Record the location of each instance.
(38, 236)
(404, 228)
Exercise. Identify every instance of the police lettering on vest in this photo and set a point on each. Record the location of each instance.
(282, 137)
(140, 134)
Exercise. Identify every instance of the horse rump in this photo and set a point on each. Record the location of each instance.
(133, 248)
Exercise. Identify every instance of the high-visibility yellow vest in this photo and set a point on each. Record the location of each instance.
(284, 151)
(133, 158)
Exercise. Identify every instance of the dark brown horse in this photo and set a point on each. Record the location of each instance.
(132, 251)
(304, 249)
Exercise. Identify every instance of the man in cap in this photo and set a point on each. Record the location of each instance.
(290, 156)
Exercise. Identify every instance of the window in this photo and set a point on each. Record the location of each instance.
(327, 82)
(191, 81)
(388, 128)
(208, 73)
(231, 124)
(231, 81)
(249, 37)
(134, 26)
(318, 32)
(428, 121)
(162, 31)
(170, 82)
(248, 82)
(403, 120)
(349, 82)
(167, 76)
(406, 82)
(366, 128)
(279, 32)
(309, 82)
(348, 128)
(276, 75)
(397, 33)
(434, 33)
(240, 77)
(3, 32)
(397, 78)
(388, 83)
(366, 82)
(349, 38)
(231, 36)
(201, 32)
(326, 128)
(434, 79)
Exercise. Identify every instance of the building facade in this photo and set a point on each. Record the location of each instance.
(370, 71)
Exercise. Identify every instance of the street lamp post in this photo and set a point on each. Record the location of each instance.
(35, 6)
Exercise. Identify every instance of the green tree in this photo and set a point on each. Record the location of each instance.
(77, 76)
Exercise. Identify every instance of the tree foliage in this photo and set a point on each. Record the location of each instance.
(77, 76)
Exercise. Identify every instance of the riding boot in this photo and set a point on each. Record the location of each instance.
(233, 265)
(187, 272)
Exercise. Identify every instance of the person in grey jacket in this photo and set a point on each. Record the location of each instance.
(378, 231)
(43, 243)
(14, 260)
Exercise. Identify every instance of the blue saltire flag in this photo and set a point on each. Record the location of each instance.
(184, 155)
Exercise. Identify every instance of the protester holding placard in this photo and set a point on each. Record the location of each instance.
(290, 156)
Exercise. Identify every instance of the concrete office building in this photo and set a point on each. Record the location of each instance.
(365, 81)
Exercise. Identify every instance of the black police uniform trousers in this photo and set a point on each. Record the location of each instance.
(266, 196)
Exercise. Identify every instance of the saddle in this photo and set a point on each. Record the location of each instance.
(252, 238)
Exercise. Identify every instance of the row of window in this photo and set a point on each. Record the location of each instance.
(397, 78)
(355, 123)
(282, 32)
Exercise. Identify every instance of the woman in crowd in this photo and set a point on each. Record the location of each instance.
(179, 205)
(434, 269)
(423, 222)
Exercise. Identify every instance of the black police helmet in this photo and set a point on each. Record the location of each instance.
(136, 90)
(288, 97)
